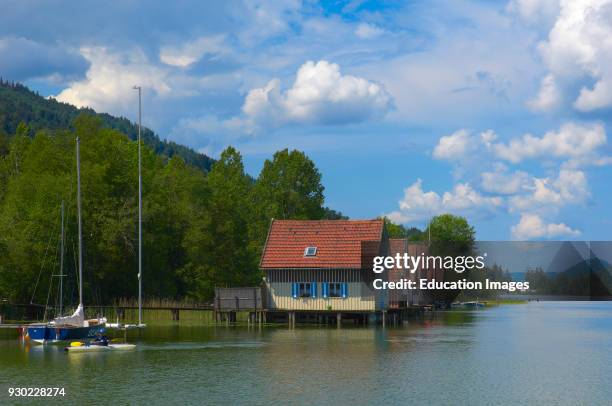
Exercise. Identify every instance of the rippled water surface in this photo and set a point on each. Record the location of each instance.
(536, 353)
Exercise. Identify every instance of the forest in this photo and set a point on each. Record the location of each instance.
(204, 221)
(200, 229)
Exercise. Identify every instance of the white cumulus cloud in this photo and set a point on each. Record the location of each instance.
(321, 94)
(418, 204)
(578, 52)
(533, 226)
(454, 146)
(109, 80)
(483, 161)
(573, 140)
(504, 182)
(548, 194)
(549, 96)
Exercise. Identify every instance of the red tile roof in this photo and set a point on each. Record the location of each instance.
(340, 243)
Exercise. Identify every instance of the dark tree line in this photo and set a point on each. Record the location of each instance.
(590, 278)
(200, 229)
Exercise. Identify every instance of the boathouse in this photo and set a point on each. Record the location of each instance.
(321, 271)
(323, 265)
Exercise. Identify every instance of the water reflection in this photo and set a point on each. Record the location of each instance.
(534, 353)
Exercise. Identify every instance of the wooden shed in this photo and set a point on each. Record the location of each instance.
(243, 298)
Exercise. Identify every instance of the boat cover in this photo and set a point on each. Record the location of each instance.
(77, 319)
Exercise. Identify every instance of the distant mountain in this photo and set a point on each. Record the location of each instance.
(18, 103)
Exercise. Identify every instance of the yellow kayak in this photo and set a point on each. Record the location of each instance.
(99, 348)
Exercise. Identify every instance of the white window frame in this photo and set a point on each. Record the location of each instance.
(307, 254)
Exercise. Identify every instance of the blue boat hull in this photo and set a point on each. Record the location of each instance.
(44, 334)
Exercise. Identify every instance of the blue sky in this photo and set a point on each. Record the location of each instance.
(498, 111)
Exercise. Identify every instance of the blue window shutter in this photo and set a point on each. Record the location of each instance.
(324, 288)
(313, 287)
(344, 289)
(294, 290)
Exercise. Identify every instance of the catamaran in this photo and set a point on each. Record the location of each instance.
(74, 327)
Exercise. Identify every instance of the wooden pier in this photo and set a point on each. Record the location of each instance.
(226, 313)
(392, 317)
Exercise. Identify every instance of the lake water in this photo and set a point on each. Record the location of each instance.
(536, 353)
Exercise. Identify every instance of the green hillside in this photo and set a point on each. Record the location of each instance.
(18, 103)
(204, 222)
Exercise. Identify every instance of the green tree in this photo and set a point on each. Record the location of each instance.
(41, 173)
(29, 211)
(400, 231)
(178, 223)
(4, 143)
(226, 259)
(450, 236)
(450, 228)
(539, 282)
(330, 214)
(288, 187)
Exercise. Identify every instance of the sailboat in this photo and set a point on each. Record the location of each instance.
(74, 327)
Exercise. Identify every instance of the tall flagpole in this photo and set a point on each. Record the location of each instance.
(78, 157)
(61, 284)
(139, 207)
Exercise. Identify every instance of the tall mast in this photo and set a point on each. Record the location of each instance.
(78, 158)
(139, 208)
(61, 276)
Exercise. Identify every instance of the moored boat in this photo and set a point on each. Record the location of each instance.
(467, 305)
(74, 327)
(46, 333)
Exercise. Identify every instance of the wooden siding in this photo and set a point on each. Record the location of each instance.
(280, 298)
(361, 296)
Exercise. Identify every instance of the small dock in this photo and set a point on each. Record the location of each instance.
(391, 317)
(13, 326)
